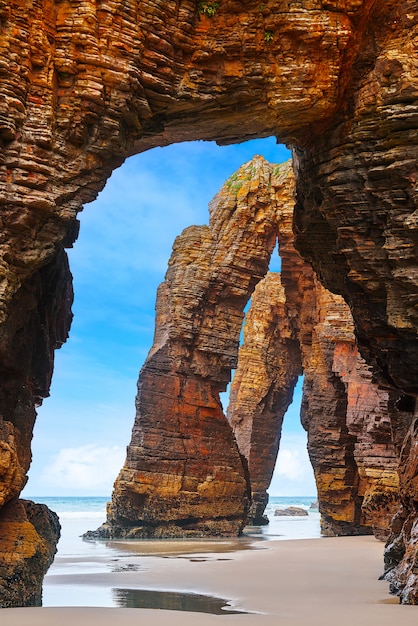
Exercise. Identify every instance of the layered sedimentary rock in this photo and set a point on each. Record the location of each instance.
(270, 359)
(401, 554)
(293, 325)
(29, 535)
(183, 473)
(369, 410)
(356, 222)
(347, 418)
(85, 85)
(262, 389)
(345, 414)
(38, 324)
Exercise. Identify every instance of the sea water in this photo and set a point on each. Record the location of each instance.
(79, 514)
(78, 561)
(283, 528)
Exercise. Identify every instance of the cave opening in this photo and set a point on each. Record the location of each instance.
(321, 109)
(118, 261)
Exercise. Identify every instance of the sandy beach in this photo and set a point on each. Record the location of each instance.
(313, 581)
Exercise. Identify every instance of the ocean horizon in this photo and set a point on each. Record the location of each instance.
(81, 513)
(89, 512)
(93, 502)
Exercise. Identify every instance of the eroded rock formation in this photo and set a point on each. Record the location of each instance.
(356, 223)
(262, 388)
(270, 359)
(38, 324)
(183, 473)
(29, 535)
(293, 325)
(348, 421)
(85, 85)
(345, 414)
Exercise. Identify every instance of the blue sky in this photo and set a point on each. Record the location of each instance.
(120, 257)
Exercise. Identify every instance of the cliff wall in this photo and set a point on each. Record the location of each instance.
(347, 417)
(355, 222)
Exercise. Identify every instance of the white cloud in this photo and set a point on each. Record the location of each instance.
(293, 474)
(291, 464)
(88, 469)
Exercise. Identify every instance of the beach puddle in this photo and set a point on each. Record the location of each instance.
(171, 601)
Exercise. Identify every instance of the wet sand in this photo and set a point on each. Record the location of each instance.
(292, 583)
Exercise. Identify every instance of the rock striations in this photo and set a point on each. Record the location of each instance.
(347, 418)
(84, 85)
(293, 325)
(269, 360)
(262, 388)
(183, 473)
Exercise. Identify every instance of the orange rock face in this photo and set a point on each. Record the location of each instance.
(29, 535)
(348, 421)
(183, 474)
(295, 325)
(269, 364)
(85, 85)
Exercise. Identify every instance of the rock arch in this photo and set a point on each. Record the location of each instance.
(84, 86)
(183, 475)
